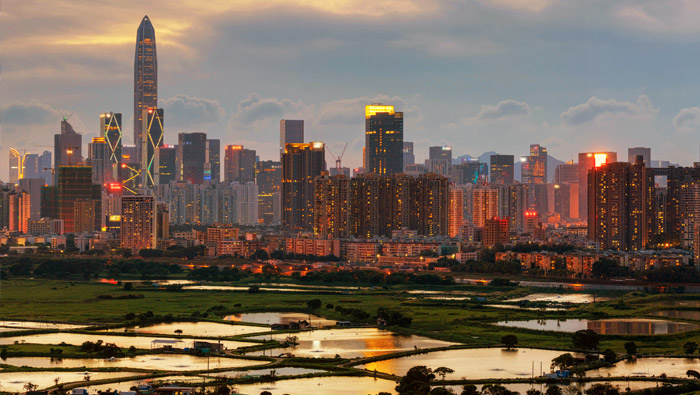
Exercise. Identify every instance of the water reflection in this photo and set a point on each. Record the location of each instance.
(203, 329)
(477, 363)
(18, 325)
(121, 341)
(322, 386)
(672, 367)
(629, 326)
(15, 381)
(561, 298)
(280, 318)
(351, 343)
(174, 362)
(684, 314)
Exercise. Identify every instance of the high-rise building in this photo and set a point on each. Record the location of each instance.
(191, 154)
(301, 163)
(67, 146)
(18, 211)
(75, 183)
(268, 177)
(562, 200)
(152, 138)
(291, 132)
(634, 152)
(130, 170)
(680, 204)
(45, 169)
(470, 171)
(239, 164)
(162, 221)
(145, 78)
(485, 202)
(621, 207)
(98, 158)
(408, 157)
(383, 140)
(534, 167)
(212, 163)
(501, 169)
(586, 162)
(455, 214)
(566, 173)
(138, 223)
(495, 232)
(111, 131)
(166, 157)
(380, 205)
(33, 187)
(31, 166)
(440, 160)
(331, 205)
(85, 216)
(16, 165)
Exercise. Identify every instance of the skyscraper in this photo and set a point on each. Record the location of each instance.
(138, 223)
(212, 163)
(634, 152)
(268, 177)
(408, 157)
(621, 206)
(301, 164)
(166, 158)
(566, 173)
(75, 183)
(16, 165)
(440, 160)
(291, 132)
(501, 169)
(111, 131)
(45, 167)
(331, 205)
(191, 154)
(98, 156)
(455, 215)
(586, 162)
(534, 166)
(152, 131)
(383, 140)
(239, 164)
(67, 146)
(145, 77)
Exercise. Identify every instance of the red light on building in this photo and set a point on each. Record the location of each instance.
(531, 213)
(114, 187)
(150, 111)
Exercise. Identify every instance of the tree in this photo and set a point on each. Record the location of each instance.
(602, 389)
(563, 361)
(495, 389)
(314, 304)
(690, 347)
(441, 391)
(416, 381)
(609, 355)
(553, 390)
(509, 341)
(631, 348)
(29, 386)
(694, 374)
(469, 389)
(533, 391)
(128, 286)
(443, 372)
(585, 339)
(178, 332)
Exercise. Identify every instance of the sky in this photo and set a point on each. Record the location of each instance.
(478, 75)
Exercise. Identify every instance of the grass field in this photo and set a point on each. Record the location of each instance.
(459, 321)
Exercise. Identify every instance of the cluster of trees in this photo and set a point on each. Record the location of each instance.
(86, 268)
(393, 317)
(499, 267)
(278, 254)
(175, 251)
(213, 273)
(106, 350)
(373, 278)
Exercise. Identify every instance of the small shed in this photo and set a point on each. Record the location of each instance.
(166, 344)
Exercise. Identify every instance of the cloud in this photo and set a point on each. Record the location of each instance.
(447, 46)
(29, 113)
(255, 109)
(521, 5)
(687, 120)
(186, 111)
(665, 17)
(505, 109)
(596, 108)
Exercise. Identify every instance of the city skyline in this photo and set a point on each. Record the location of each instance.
(593, 102)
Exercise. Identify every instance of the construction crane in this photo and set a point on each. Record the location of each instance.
(338, 159)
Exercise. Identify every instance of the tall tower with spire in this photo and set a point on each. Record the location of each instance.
(145, 77)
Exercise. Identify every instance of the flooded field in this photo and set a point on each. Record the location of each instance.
(322, 386)
(561, 298)
(522, 388)
(477, 363)
(280, 318)
(239, 288)
(682, 314)
(351, 343)
(263, 372)
(630, 326)
(203, 329)
(126, 385)
(516, 307)
(19, 325)
(648, 367)
(680, 303)
(15, 381)
(144, 342)
(174, 362)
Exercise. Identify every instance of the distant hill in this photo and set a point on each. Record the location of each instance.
(552, 163)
